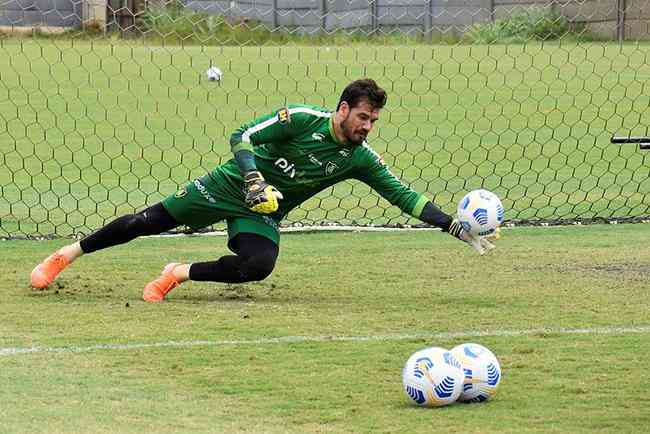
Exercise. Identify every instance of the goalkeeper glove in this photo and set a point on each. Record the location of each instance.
(481, 244)
(260, 196)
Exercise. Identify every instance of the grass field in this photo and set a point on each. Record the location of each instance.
(565, 309)
(93, 129)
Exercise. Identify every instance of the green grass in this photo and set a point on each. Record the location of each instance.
(90, 129)
(355, 284)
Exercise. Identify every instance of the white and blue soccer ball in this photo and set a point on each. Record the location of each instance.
(482, 372)
(214, 74)
(432, 377)
(480, 213)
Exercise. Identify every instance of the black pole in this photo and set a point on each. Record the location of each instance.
(643, 142)
(620, 20)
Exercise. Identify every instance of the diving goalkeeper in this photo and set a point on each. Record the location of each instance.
(280, 160)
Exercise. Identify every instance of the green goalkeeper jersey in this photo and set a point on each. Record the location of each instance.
(296, 151)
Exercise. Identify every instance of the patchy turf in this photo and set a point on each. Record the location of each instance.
(542, 280)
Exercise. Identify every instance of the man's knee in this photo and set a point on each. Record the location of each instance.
(258, 267)
(134, 224)
(150, 221)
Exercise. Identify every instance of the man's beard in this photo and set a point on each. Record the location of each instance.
(349, 137)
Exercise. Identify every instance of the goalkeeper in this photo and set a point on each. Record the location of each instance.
(280, 160)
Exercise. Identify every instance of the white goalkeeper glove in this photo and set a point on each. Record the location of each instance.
(481, 244)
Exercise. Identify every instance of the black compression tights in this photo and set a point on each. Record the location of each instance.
(254, 260)
(150, 221)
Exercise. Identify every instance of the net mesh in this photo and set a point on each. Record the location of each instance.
(105, 107)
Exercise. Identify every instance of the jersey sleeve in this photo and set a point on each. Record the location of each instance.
(277, 127)
(372, 170)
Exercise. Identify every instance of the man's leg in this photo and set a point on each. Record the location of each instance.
(254, 260)
(150, 221)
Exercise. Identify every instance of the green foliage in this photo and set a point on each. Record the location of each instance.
(527, 26)
(173, 23)
(180, 24)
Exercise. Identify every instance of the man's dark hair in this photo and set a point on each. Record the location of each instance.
(363, 90)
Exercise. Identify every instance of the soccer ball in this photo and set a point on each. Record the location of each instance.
(214, 73)
(480, 213)
(432, 377)
(482, 372)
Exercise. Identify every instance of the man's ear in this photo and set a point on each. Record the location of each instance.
(344, 108)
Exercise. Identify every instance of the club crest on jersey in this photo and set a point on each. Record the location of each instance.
(284, 117)
(180, 193)
(330, 167)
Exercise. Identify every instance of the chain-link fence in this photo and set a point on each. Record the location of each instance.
(114, 111)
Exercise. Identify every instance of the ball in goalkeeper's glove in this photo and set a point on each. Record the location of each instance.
(481, 244)
(260, 196)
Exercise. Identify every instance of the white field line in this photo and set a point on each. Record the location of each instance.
(306, 339)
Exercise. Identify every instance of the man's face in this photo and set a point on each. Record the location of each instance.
(358, 121)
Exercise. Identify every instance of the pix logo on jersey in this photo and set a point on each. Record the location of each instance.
(286, 167)
(284, 117)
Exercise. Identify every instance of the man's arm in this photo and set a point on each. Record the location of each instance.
(271, 128)
(432, 215)
(375, 173)
(275, 127)
(372, 170)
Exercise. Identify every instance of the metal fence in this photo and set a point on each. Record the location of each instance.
(95, 124)
(614, 19)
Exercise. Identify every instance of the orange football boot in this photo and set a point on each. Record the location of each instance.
(156, 290)
(45, 272)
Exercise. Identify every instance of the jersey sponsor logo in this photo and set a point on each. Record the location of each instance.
(204, 191)
(330, 167)
(286, 167)
(318, 136)
(269, 221)
(315, 160)
(284, 117)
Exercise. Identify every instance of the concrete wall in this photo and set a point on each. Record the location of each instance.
(424, 16)
(379, 16)
(41, 13)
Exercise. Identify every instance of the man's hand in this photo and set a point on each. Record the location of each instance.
(481, 244)
(260, 196)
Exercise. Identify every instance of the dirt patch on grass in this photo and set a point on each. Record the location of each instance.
(616, 270)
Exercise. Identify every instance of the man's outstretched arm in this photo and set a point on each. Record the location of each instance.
(375, 173)
(434, 216)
